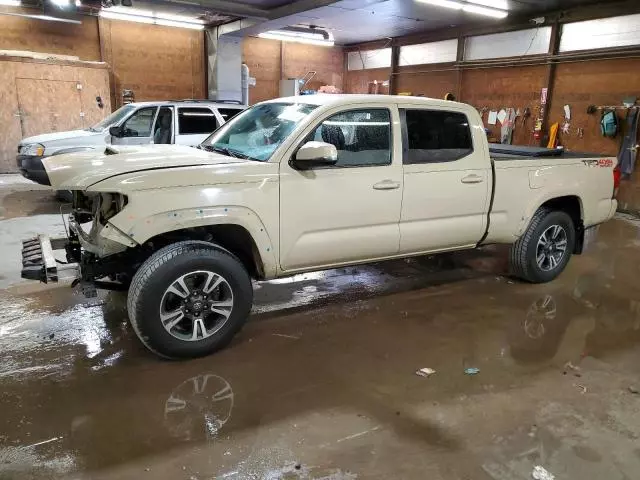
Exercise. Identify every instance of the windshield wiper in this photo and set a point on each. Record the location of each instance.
(227, 151)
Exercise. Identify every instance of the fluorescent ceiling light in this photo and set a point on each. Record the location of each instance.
(48, 18)
(138, 12)
(499, 4)
(149, 18)
(489, 12)
(444, 3)
(10, 3)
(299, 37)
(61, 3)
(471, 8)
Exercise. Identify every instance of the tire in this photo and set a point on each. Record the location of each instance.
(524, 254)
(156, 288)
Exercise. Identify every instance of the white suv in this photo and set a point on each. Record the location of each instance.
(182, 122)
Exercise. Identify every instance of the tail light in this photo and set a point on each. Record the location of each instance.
(616, 181)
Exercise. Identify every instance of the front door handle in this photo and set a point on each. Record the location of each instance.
(473, 178)
(386, 185)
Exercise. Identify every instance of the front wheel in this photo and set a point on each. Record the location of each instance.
(189, 299)
(544, 250)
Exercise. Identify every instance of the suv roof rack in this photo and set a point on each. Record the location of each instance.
(204, 100)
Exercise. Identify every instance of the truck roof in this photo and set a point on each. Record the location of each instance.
(347, 98)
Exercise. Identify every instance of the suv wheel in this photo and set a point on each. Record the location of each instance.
(189, 299)
(543, 251)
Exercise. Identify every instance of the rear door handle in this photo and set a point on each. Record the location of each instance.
(386, 185)
(473, 178)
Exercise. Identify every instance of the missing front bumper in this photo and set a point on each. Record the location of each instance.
(39, 262)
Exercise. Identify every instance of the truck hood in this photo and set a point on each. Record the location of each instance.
(77, 171)
(48, 138)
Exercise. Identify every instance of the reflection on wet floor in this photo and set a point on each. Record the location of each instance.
(323, 375)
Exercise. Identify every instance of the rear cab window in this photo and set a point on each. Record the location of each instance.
(196, 120)
(434, 136)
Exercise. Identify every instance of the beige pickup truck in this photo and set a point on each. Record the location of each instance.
(308, 183)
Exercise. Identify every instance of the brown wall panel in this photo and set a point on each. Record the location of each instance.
(599, 83)
(156, 62)
(262, 56)
(497, 88)
(39, 97)
(271, 60)
(328, 63)
(429, 84)
(357, 81)
(18, 33)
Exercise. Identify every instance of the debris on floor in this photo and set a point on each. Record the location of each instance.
(570, 367)
(541, 473)
(471, 371)
(581, 387)
(425, 372)
(633, 390)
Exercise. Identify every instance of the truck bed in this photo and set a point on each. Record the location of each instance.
(501, 152)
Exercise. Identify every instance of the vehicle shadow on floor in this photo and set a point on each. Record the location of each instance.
(25, 203)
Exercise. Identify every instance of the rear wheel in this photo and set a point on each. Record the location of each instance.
(544, 250)
(189, 299)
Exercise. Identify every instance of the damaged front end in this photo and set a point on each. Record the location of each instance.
(96, 253)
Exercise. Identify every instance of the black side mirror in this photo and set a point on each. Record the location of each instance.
(116, 132)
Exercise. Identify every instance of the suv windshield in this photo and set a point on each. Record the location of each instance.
(114, 118)
(257, 132)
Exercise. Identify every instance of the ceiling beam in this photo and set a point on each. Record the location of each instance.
(238, 9)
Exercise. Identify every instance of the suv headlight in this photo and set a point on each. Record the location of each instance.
(32, 149)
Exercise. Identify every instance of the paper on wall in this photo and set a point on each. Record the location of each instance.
(567, 112)
(493, 117)
(502, 115)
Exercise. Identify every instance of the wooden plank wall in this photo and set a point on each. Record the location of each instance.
(498, 88)
(156, 62)
(18, 33)
(262, 56)
(435, 84)
(269, 61)
(93, 78)
(357, 81)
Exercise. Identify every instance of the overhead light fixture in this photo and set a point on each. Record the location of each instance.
(155, 18)
(492, 8)
(320, 37)
(489, 12)
(499, 4)
(61, 3)
(47, 18)
(444, 3)
(10, 3)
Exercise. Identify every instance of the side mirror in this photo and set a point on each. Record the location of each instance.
(116, 132)
(315, 154)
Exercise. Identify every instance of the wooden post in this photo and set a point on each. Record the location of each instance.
(554, 44)
(395, 60)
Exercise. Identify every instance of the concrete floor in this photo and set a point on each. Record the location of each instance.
(321, 385)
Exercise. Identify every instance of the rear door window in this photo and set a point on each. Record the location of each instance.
(433, 136)
(228, 113)
(196, 120)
